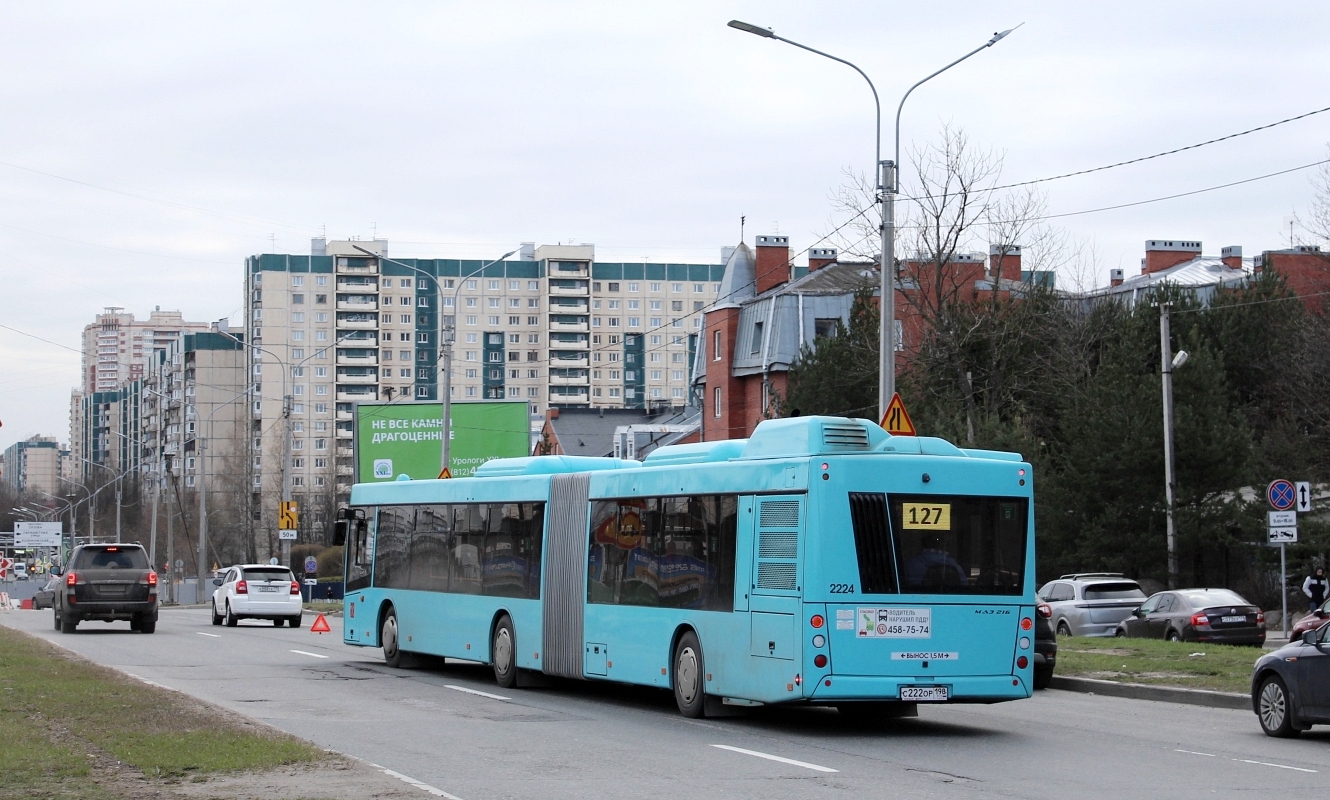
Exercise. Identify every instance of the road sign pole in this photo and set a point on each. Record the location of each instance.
(1283, 588)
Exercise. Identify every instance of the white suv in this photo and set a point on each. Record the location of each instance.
(256, 591)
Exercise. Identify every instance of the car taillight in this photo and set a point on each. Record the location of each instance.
(1044, 610)
(295, 587)
(242, 587)
(152, 579)
(70, 578)
(1260, 617)
(816, 621)
(1200, 621)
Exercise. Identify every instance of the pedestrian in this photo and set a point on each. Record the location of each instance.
(1316, 587)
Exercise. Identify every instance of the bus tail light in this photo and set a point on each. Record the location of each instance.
(1026, 623)
(1022, 662)
(295, 587)
(242, 587)
(1200, 621)
(819, 661)
(816, 621)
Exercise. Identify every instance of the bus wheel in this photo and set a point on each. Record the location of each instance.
(504, 649)
(689, 687)
(392, 654)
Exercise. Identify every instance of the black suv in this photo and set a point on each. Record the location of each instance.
(107, 582)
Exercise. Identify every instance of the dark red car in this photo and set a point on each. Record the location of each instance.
(1310, 622)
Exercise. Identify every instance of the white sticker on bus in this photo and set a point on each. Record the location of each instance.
(893, 623)
(927, 655)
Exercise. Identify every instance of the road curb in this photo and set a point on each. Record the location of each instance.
(1165, 694)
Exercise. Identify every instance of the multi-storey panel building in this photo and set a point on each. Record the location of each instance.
(117, 348)
(552, 327)
(33, 467)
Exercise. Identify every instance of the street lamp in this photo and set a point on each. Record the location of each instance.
(888, 186)
(445, 336)
(1169, 363)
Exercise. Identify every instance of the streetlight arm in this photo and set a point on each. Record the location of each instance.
(997, 37)
(767, 33)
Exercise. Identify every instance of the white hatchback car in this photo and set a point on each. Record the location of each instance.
(256, 591)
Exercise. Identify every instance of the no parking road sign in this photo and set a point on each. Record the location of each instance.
(1281, 495)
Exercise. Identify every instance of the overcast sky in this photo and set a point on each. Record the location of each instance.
(147, 148)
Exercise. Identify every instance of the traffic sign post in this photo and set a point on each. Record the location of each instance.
(1280, 494)
(1283, 496)
(895, 420)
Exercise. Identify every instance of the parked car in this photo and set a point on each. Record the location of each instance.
(45, 596)
(257, 591)
(1310, 622)
(1090, 603)
(1045, 646)
(1290, 688)
(107, 582)
(1196, 615)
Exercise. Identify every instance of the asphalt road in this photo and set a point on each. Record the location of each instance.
(449, 727)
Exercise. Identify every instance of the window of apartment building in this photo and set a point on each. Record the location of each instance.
(422, 338)
(471, 285)
(405, 283)
(320, 336)
(514, 302)
(533, 320)
(532, 373)
(655, 356)
(320, 408)
(387, 372)
(614, 374)
(297, 316)
(405, 300)
(514, 286)
(320, 316)
(470, 391)
(471, 302)
(533, 286)
(630, 375)
(632, 287)
(533, 302)
(614, 338)
(513, 391)
(321, 353)
(422, 355)
(715, 402)
(447, 302)
(595, 392)
(297, 299)
(613, 322)
(496, 356)
(514, 338)
(320, 280)
(471, 338)
(698, 288)
(494, 286)
(634, 305)
(405, 319)
(386, 355)
(532, 391)
(422, 391)
(676, 288)
(595, 357)
(297, 280)
(422, 374)
(654, 305)
(514, 320)
(595, 322)
(297, 408)
(320, 299)
(634, 322)
(297, 372)
(697, 305)
(614, 287)
(320, 463)
(595, 286)
(297, 463)
(614, 304)
(614, 391)
(756, 344)
(676, 393)
(404, 372)
(676, 375)
(320, 427)
(514, 373)
(387, 283)
(404, 355)
(614, 358)
(471, 355)
(654, 322)
(715, 287)
(531, 355)
(422, 301)
(493, 320)
(715, 346)
(386, 319)
(676, 305)
(297, 444)
(493, 302)
(297, 336)
(471, 373)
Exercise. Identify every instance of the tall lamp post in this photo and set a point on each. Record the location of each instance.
(888, 186)
(1168, 363)
(445, 337)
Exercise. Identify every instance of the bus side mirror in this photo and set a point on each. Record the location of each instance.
(339, 533)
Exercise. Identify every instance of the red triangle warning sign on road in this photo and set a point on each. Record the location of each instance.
(445, 473)
(895, 420)
(320, 625)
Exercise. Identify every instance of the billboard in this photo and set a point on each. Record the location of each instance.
(37, 534)
(394, 439)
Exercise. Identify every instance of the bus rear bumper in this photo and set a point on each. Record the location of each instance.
(976, 689)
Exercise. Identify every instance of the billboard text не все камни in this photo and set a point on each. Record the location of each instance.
(394, 439)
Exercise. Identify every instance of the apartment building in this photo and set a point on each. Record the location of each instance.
(118, 349)
(34, 466)
(104, 432)
(553, 327)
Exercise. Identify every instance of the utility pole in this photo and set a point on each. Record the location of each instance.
(1166, 360)
(170, 551)
(286, 469)
(152, 542)
(202, 489)
(117, 508)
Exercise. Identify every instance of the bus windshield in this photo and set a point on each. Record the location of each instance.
(949, 544)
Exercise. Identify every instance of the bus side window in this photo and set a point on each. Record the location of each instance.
(357, 561)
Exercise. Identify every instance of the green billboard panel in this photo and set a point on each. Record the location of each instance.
(394, 439)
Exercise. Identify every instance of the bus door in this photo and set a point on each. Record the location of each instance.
(775, 587)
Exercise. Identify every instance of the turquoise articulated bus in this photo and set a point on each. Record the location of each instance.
(819, 561)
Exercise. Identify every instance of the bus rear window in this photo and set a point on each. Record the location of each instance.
(956, 544)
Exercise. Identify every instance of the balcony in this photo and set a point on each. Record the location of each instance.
(345, 414)
(564, 326)
(356, 380)
(357, 361)
(355, 397)
(582, 380)
(358, 322)
(352, 283)
(563, 290)
(344, 435)
(356, 265)
(357, 305)
(346, 452)
(346, 471)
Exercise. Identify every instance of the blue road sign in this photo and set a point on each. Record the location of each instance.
(1280, 494)
(311, 566)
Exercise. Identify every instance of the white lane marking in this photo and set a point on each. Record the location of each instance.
(150, 683)
(1268, 764)
(213, 635)
(770, 757)
(422, 786)
(303, 653)
(1194, 753)
(475, 691)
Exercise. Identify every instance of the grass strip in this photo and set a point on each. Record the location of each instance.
(60, 712)
(1190, 665)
